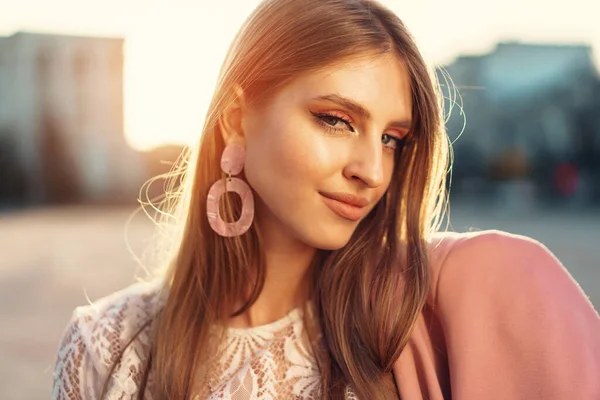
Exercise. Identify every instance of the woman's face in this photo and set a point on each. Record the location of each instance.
(320, 154)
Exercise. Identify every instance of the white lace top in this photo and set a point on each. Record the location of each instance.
(264, 362)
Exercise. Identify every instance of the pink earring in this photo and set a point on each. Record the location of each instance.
(232, 163)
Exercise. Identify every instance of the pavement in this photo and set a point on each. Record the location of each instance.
(55, 259)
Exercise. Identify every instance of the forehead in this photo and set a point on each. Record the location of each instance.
(380, 84)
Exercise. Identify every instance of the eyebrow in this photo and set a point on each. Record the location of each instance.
(360, 110)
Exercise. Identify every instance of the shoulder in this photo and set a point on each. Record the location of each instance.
(487, 278)
(98, 333)
(110, 322)
(121, 310)
(474, 247)
(493, 258)
(506, 304)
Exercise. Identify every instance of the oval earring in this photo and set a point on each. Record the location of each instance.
(232, 163)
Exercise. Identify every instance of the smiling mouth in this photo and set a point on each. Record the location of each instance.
(345, 205)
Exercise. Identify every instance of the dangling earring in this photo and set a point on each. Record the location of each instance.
(232, 163)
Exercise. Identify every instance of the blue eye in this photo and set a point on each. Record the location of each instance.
(390, 141)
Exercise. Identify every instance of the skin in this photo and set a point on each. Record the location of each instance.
(298, 146)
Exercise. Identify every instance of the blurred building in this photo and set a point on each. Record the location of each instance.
(529, 108)
(61, 121)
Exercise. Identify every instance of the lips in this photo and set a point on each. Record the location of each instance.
(346, 205)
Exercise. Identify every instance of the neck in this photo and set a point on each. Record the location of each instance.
(286, 282)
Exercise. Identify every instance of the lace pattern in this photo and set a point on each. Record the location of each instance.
(266, 362)
(93, 340)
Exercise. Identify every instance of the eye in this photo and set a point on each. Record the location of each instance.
(389, 141)
(332, 122)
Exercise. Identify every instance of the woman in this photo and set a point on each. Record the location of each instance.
(327, 280)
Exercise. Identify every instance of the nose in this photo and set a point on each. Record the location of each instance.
(366, 163)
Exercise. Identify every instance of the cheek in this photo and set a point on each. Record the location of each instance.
(388, 168)
(288, 147)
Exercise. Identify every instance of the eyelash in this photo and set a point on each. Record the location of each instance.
(320, 120)
(320, 117)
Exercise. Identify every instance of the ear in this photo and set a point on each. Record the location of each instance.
(230, 122)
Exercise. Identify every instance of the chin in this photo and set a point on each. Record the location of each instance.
(329, 239)
(331, 245)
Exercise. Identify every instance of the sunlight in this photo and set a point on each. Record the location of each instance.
(172, 59)
(174, 51)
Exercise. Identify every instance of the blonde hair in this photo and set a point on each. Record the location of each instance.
(362, 333)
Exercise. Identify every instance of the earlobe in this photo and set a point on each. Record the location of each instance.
(230, 122)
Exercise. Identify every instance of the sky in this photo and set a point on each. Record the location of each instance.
(174, 48)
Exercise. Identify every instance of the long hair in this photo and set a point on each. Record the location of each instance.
(380, 277)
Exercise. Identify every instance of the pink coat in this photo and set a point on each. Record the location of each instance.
(504, 321)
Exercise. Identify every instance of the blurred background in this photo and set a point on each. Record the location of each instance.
(96, 97)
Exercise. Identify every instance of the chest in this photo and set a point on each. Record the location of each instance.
(264, 365)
